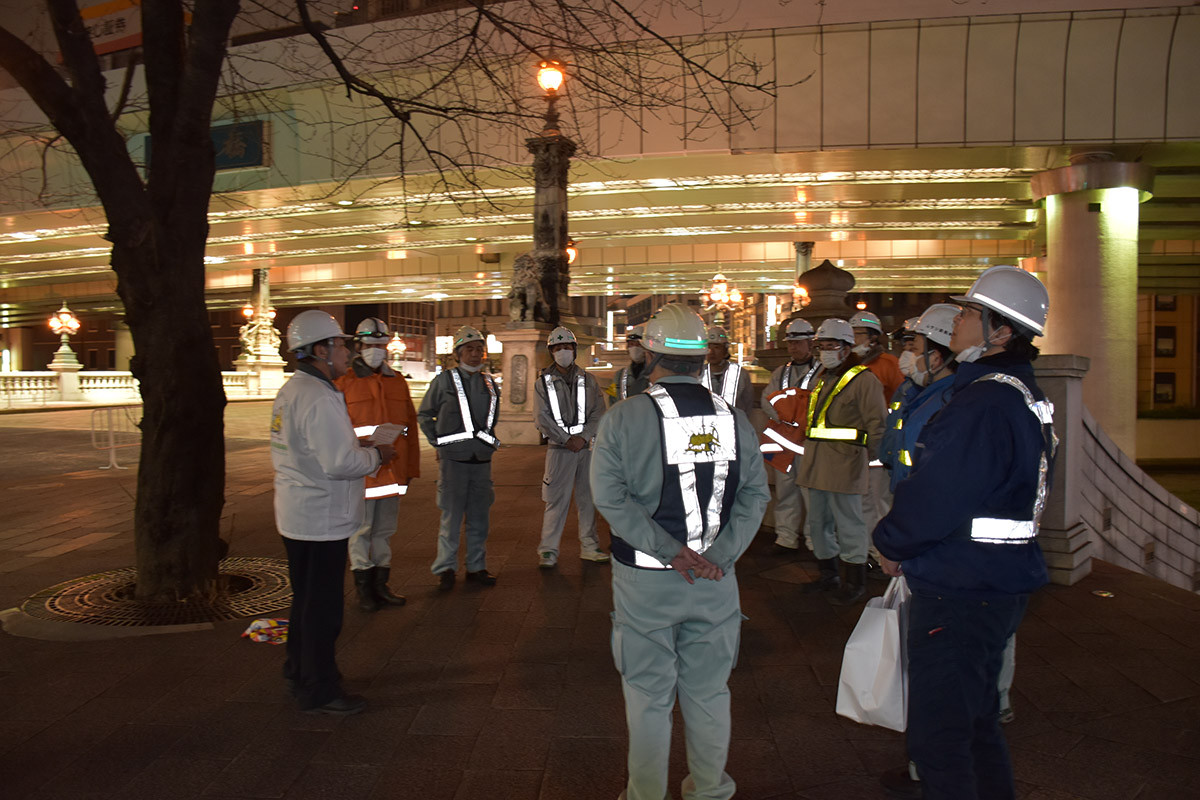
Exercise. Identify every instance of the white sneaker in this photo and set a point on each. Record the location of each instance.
(599, 556)
(548, 560)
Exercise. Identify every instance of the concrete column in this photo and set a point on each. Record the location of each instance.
(124, 345)
(1064, 538)
(1091, 274)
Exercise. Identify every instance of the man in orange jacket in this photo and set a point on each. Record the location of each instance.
(376, 394)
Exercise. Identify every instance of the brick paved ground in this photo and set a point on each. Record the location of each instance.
(510, 692)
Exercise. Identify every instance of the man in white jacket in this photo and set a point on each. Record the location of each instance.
(319, 470)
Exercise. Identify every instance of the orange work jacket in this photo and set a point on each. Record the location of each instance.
(374, 398)
(780, 442)
(886, 367)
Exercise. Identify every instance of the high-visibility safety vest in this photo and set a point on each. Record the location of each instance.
(782, 441)
(384, 489)
(699, 454)
(580, 405)
(817, 429)
(989, 530)
(374, 398)
(485, 434)
(733, 375)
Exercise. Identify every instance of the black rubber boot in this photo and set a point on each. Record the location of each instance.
(383, 594)
(827, 580)
(364, 584)
(853, 587)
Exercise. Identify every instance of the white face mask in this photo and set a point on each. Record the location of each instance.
(637, 354)
(374, 357)
(831, 359)
(908, 363)
(564, 358)
(970, 354)
(860, 349)
(469, 368)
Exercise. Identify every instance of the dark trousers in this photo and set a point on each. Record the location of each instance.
(955, 648)
(316, 571)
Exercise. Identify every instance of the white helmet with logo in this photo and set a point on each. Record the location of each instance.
(677, 330)
(372, 330)
(798, 330)
(465, 335)
(561, 335)
(1013, 292)
(312, 327)
(865, 319)
(937, 323)
(836, 329)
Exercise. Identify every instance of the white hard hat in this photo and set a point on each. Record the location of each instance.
(798, 330)
(717, 335)
(865, 319)
(636, 332)
(837, 329)
(372, 330)
(311, 327)
(466, 334)
(1013, 292)
(561, 335)
(678, 330)
(937, 323)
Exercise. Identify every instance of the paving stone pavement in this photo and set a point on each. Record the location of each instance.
(510, 692)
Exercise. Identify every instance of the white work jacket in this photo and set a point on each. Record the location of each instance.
(319, 465)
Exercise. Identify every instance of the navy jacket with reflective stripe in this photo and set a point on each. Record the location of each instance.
(978, 457)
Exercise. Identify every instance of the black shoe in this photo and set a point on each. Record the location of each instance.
(827, 580)
(897, 783)
(341, 706)
(446, 580)
(853, 588)
(382, 592)
(364, 584)
(482, 576)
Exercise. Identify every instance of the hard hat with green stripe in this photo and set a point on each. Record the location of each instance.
(677, 330)
(465, 335)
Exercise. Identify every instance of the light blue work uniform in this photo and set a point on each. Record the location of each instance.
(673, 466)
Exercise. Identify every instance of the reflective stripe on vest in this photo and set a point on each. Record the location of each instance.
(375, 492)
(805, 382)
(782, 443)
(989, 530)
(624, 390)
(464, 408)
(906, 458)
(688, 441)
(818, 430)
(364, 430)
(729, 388)
(580, 405)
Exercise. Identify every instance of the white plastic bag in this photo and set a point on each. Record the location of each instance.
(873, 687)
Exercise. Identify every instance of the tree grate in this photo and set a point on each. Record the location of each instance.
(253, 586)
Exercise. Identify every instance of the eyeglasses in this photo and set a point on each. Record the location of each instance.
(831, 345)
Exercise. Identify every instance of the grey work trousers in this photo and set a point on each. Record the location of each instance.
(671, 640)
(567, 471)
(790, 507)
(838, 529)
(464, 493)
(370, 546)
(876, 503)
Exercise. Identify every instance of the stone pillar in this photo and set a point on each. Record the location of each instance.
(525, 355)
(124, 345)
(1091, 274)
(1063, 536)
(260, 341)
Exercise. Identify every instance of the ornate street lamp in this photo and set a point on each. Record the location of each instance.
(721, 297)
(547, 264)
(65, 324)
(396, 348)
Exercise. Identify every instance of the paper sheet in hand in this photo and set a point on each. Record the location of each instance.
(387, 433)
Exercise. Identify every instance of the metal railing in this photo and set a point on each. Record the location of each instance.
(116, 427)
